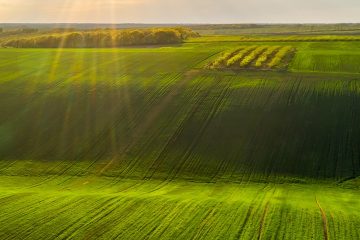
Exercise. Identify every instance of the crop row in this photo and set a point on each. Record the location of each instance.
(195, 125)
(173, 210)
(194, 132)
(256, 57)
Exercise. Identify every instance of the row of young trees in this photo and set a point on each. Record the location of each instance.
(237, 57)
(220, 61)
(252, 56)
(280, 55)
(104, 38)
(261, 57)
(265, 56)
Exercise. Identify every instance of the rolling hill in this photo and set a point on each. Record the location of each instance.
(151, 143)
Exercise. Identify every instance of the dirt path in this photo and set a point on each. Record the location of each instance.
(324, 220)
(263, 217)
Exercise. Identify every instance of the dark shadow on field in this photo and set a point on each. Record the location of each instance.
(196, 127)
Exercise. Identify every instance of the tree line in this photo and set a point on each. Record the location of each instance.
(103, 38)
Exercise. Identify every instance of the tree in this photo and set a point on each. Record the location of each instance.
(75, 40)
(103, 38)
(165, 37)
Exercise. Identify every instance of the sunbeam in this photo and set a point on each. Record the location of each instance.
(141, 119)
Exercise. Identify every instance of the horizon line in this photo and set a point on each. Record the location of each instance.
(244, 23)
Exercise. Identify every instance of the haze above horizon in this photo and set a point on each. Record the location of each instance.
(186, 11)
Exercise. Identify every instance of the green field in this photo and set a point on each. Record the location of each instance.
(149, 143)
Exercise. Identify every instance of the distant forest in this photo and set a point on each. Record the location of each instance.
(203, 29)
(102, 38)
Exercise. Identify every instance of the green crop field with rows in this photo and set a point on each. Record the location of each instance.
(220, 137)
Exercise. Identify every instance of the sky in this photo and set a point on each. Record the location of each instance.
(179, 11)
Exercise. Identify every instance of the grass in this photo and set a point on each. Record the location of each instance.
(274, 38)
(277, 29)
(312, 59)
(173, 210)
(147, 143)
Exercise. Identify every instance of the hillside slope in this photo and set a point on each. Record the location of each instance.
(151, 143)
(153, 113)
